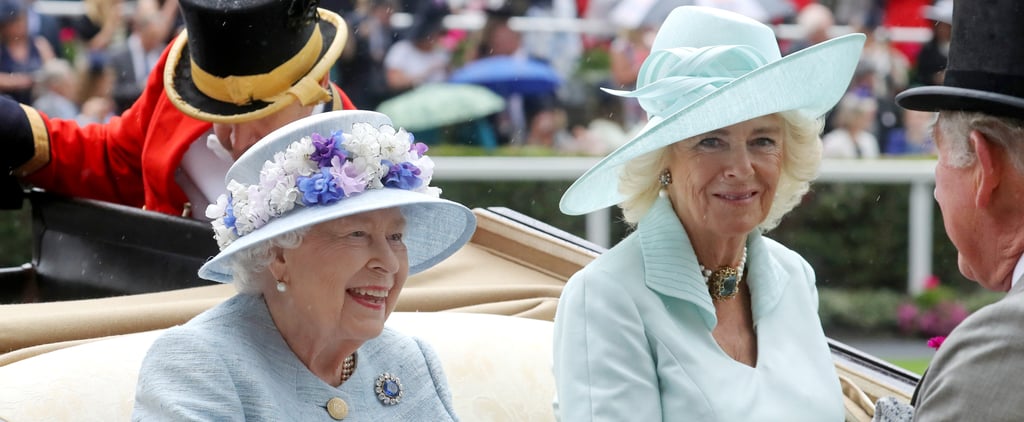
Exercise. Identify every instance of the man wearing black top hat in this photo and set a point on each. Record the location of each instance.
(239, 70)
(979, 185)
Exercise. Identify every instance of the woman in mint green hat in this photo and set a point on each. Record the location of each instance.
(696, 315)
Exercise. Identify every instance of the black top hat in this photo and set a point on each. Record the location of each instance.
(241, 60)
(985, 72)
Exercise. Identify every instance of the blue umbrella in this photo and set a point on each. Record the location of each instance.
(506, 75)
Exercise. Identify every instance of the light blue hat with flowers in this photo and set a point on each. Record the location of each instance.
(708, 69)
(328, 166)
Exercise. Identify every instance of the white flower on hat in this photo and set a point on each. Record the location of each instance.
(394, 145)
(256, 215)
(283, 195)
(215, 211)
(364, 141)
(275, 179)
(224, 234)
(296, 158)
(373, 169)
(240, 207)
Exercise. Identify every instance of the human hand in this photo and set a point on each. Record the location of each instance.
(96, 109)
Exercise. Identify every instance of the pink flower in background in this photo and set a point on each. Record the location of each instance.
(935, 311)
(936, 341)
(452, 38)
(906, 317)
(66, 35)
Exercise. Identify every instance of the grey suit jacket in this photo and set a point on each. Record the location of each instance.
(230, 363)
(978, 372)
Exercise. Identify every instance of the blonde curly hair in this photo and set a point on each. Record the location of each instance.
(638, 180)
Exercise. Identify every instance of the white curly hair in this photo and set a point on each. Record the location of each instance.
(250, 266)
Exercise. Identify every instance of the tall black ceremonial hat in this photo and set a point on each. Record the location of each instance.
(239, 60)
(985, 71)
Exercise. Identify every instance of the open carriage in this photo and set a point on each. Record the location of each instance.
(106, 279)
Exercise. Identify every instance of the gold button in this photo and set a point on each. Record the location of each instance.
(337, 408)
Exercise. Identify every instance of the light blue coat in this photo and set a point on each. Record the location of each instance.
(633, 337)
(230, 363)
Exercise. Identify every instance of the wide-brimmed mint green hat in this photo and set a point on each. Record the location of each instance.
(328, 166)
(709, 69)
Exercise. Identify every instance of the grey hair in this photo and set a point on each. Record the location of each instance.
(250, 267)
(956, 126)
(801, 160)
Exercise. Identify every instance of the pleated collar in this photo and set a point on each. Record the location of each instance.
(671, 267)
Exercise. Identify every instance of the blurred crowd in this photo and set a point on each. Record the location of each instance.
(88, 66)
(93, 65)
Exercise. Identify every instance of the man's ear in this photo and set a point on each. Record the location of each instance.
(990, 164)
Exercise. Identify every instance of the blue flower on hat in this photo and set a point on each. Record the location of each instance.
(229, 214)
(320, 188)
(403, 176)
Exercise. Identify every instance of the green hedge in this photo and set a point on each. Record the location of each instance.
(855, 236)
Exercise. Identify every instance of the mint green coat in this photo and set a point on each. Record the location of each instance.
(633, 337)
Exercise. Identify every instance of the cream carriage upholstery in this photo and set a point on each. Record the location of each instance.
(487, 311)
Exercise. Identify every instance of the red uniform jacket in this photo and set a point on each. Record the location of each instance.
(132, 159)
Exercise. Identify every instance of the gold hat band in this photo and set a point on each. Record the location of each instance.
(242, 90)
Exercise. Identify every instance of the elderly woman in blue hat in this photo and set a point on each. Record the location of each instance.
(324, 220)
(696, 315)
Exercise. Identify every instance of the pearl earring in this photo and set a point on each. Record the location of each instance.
(281, 287)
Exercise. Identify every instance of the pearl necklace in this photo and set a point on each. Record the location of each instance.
(724, 283)
(348, 367)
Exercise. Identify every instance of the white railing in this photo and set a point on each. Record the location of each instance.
(919, 174)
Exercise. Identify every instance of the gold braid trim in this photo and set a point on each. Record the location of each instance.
(41, 140)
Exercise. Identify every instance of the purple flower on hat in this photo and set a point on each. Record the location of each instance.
(418, 147)
(348, 177)
(402, 176)
(319, 189)
(326, 149)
